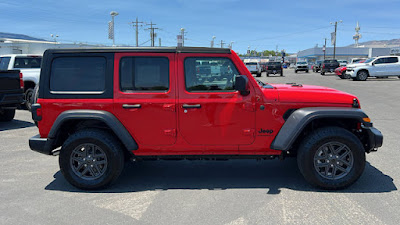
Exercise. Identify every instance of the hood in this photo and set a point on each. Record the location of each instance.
(294, 93)
(356, 65)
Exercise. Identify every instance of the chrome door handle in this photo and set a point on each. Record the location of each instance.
(127, 106)
(187, 106)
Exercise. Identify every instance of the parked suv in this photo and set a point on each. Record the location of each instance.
(317, 66)
(382, 66)
(301, 66)
(11, 93)
(99, 107)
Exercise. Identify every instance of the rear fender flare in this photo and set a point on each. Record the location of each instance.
(112, 122)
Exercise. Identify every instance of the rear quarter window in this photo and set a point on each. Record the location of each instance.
(78, 74)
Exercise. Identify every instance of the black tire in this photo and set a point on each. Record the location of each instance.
(7, 115)
(345, 75)
(306, 71)
(281, 73)
(311, 146)
(108, 144)
(322, 73)
(399, 77)
(295, 71)
(362, 75)
(29, 98)
(258, 74)
(267, 74)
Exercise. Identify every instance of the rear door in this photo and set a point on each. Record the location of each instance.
(144, 97)
(211, 113)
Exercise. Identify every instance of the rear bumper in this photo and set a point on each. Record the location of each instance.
(41, 145)
(375, 138)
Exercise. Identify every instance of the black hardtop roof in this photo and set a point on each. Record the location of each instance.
(141, 49)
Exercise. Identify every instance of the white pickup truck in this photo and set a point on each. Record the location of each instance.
(29, 65)
(254, 67)
(382, 66)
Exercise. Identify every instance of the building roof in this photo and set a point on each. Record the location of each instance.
(4, 35)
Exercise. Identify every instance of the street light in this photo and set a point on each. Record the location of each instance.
(212, 41)
(334, 40)
(55, 36)
(230, 45)
(111, 27)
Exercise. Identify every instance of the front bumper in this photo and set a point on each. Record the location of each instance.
(350, 73)
(375, 139)
(41, 145)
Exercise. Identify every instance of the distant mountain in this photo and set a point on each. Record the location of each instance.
(388, 43)
(19, 36)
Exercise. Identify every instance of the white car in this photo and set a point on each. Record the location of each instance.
(254, 67)
(342, 62)
(382, 66)
(29, 66)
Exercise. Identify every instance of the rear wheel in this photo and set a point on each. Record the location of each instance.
(295, 71)
(322, 73)
(306, 71)
(29, 98)
(258, 74)
(7, 115)
(362, 75)
(331, 158)
(281, 73)
(91, 159)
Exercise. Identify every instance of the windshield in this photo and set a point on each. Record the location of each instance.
(301, 62)
(369, 60)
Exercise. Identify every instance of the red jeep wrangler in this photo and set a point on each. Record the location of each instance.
(97, 108)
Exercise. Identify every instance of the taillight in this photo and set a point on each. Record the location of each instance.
(323, 66)
(21, 81)
(266, 67)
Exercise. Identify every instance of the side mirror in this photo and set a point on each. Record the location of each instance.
(242, 85)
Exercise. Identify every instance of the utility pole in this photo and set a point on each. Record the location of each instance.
(334, 38)
(231, 45)
(136, 25)
(212, 41)
(324, 48)
(159, 42)
(152, 33)
(222, 43)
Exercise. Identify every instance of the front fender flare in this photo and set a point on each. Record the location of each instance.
(300, 118)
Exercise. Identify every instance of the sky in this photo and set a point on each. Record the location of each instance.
(255, 24)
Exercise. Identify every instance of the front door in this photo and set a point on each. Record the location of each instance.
(210, 111)
(145, 97)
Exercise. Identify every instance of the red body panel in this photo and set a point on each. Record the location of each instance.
(227, 123)
(340, 70)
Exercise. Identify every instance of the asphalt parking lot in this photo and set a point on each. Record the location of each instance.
(33, 191)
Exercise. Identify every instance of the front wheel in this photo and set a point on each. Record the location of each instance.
(362, 75)
(331, 158)
(91, 159)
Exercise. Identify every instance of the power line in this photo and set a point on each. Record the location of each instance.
(152, 33)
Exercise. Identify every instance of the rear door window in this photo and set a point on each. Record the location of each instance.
(144, 74)
(392, 60)
(78, 74)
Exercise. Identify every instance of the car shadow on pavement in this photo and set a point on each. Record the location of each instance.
(15, 124)
(220, 175)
